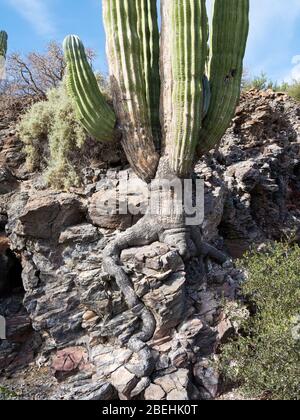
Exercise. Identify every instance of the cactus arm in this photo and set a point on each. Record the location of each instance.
(3, 44)
(228, 43)
(148, 32)
(3, 51)
(125, 57)
(188, 35)
(93, 112)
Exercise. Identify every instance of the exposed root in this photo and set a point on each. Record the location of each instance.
(137, 343)
(143, 233)
(146, 231)
(204, 249)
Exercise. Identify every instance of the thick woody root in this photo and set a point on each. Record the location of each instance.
(146, 231)
(143, 233)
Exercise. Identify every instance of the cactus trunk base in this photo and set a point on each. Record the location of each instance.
(170, 230)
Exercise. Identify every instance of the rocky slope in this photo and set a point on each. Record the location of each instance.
(68, 339)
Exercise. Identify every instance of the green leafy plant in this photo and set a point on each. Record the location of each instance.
(265, 359)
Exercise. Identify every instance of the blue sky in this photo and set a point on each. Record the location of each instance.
(273, 47)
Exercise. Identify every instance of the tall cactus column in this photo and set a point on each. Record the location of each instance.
(3, 43)
(230, 28)
(186, 27)
(132, 48)
(3, 52)
(148, 33)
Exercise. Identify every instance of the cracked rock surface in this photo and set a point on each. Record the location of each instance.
(67, 332)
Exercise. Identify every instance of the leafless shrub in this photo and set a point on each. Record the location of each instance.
(37, 72)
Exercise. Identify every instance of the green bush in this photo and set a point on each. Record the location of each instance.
(6, 394)
(265, 358)
(261, 82)
(52, 137)
(294, 90)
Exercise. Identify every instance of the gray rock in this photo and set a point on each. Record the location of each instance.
(251, 190)
(124, 382)
(207, 378)
(46, 215)
(154, 392)
(79, 233)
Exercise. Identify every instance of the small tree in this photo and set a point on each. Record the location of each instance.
(293, 89)
(36, 73)
(173, 101)
(261, 82)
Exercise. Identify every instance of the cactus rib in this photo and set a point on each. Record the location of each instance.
(149, 35)
(93, 112)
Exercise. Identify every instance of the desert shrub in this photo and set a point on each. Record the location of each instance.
(6, 394)
(52, 136)
(261, 82)
(293, 90)
(33, 74)
(265, 359)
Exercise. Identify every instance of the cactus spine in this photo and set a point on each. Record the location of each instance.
(93, 111)
(199, 87)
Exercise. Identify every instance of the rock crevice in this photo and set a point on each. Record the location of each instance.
(75, 319)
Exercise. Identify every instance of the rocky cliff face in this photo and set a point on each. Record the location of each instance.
(74, 325)
(260, 159)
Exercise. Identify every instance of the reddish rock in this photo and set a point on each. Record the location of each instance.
(69, 361)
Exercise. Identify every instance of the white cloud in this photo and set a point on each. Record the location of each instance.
(295, 72)
(36, 12)
(273, 25)
(296, 59)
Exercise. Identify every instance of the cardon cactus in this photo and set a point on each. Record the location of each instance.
(3, 51)
(3, 44)
(178, 106)
(173, 98)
